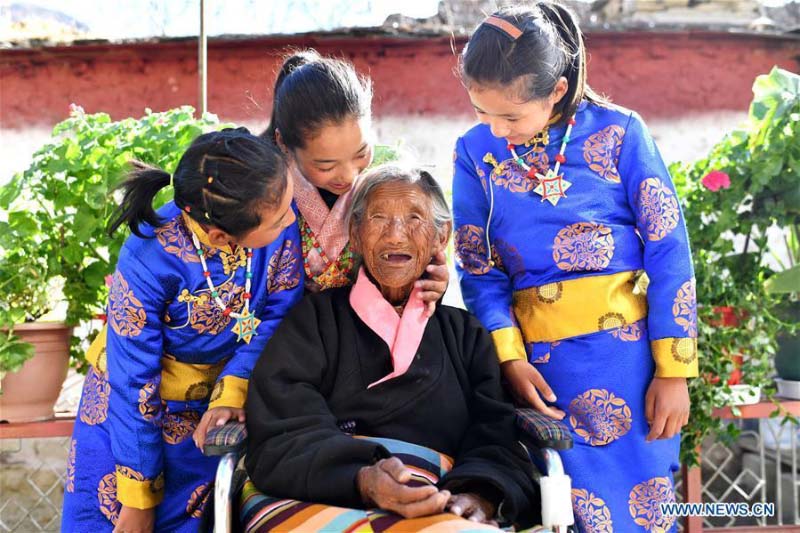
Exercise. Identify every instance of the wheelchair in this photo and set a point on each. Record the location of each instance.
(542, 438)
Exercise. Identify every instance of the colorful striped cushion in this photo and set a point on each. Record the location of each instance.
(260, 513)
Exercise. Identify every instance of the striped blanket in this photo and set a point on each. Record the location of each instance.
(261, 513)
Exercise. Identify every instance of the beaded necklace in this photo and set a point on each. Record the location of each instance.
(246, 323)
(311, 239)
(552, 185)
(336, 273)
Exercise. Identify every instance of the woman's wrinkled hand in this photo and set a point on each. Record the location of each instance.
(383, 485)
(132, 520)
(666, 407)
(472, 507)
(435, 285)
(217, 416)
(528, 386)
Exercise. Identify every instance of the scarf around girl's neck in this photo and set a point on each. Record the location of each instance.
(402, 334)
(326, 224)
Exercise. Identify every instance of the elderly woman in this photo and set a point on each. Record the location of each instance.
(374, 413)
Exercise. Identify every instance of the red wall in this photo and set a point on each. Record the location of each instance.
(658, 74)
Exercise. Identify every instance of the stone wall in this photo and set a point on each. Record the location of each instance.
(660, 74)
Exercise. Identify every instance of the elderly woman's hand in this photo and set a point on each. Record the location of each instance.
(472, 507)
(383, 485)
(435, 285)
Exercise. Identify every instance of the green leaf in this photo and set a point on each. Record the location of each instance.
(94, 274)
(22, 222)
(11, 191)
(13, 353)
(383, 153)
(785, 282)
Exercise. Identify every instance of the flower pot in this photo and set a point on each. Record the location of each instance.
(30, 393)
(788, 388)
(787, 359)
(740, 395)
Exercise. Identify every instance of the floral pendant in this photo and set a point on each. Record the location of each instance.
(245, 327)
(552, 187)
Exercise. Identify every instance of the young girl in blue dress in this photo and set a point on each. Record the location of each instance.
(563, 209)
(198, 290)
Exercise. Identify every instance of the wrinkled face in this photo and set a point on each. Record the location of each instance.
(508, 117)
(335, 154)
(397, 236)
(273, 221)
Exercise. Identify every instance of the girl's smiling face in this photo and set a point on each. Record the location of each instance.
(335, 154)
(510, 118)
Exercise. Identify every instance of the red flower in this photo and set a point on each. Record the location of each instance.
(716, 180)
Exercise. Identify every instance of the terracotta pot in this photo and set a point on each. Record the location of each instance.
(30, 393)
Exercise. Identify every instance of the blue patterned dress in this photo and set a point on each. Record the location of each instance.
(168, 355)
(563, 287)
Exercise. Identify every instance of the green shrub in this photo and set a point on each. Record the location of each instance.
(54, 232)
(748, 184)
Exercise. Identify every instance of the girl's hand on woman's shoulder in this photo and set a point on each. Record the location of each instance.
(218, 416)
(132, 520)
(666, 407)
(434, 286)
(528, 387)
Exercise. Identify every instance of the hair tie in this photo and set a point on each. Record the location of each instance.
(504, 26)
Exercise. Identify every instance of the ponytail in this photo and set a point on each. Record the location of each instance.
(290, 64)
(312, 91)
(225, 179)
(565, 23)
(140, 189)
(549, 45)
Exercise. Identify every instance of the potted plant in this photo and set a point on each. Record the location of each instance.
(53, 216)
(29, 386)
(743, 192)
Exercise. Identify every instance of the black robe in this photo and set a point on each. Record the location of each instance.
(311, 381)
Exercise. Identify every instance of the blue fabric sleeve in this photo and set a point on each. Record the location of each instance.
(134, 350)
(672, 313)
(487, 290)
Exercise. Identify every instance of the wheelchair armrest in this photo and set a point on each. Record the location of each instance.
(229, 438)
(541, 431)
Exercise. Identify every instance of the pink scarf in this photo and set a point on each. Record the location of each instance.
(401, 334)
(327, 224)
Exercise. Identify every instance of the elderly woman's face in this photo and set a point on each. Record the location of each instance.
(397, 236)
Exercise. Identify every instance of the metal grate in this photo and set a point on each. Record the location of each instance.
(760, 467)
(33, 473)
(32, 484)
